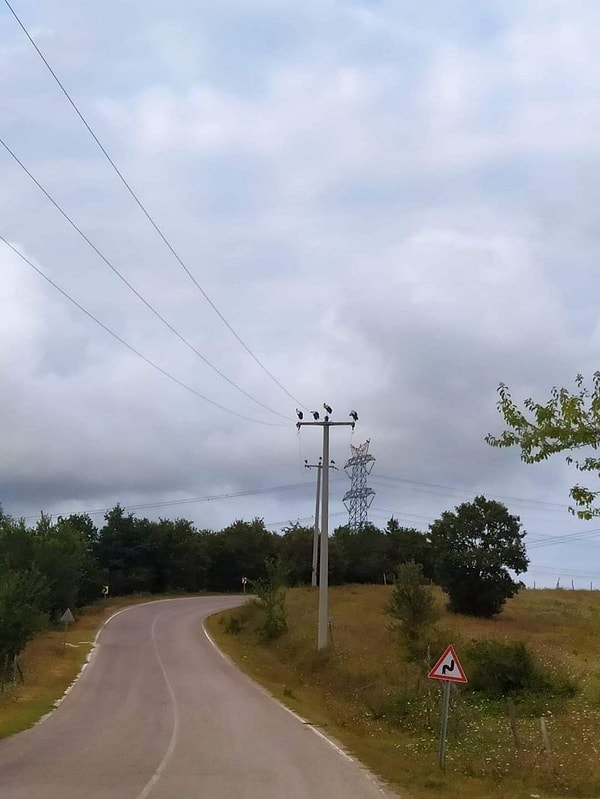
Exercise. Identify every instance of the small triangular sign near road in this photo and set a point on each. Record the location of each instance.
(67, 617)
(448, 667)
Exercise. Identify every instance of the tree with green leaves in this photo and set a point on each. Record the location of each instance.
(474, 550)
(270, 590)
(23, 594)
(62, 556)
(239, 550)
(405, 544)
(24, 591)
(358, 556)
(567, 422)
(413, 609)
(295, 550)
(179, 559)
(124, 550)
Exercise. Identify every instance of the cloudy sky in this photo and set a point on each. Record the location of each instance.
(393, 205)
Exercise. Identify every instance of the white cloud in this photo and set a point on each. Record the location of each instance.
(393, 204)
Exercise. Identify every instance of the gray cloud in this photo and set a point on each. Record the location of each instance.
(393, 204)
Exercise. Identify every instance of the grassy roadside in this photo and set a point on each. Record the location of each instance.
(362, 695)
(49, 667)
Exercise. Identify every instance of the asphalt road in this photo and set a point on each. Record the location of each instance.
(160, 713)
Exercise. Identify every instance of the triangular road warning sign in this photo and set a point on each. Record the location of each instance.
(67, 617)
(448, 667)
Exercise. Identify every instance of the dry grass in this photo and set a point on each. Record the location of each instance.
(388, 714)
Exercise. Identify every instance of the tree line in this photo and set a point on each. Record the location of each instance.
(67, 562)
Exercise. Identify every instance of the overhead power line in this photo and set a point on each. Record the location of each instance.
(561, 571)
(300, 519)
(396, 514)
(129, 346)
(144, 210)
(131, 287)
(540, 539)
(566, 538)
(456, 491)
(189, 501)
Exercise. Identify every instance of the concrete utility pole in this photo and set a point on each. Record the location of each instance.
(315, 554)
(322, 637)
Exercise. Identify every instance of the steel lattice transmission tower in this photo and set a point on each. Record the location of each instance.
(358, 499)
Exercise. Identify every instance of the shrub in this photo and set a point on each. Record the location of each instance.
(413, 609)
(270, 596)
(497, 670)
(233, 626)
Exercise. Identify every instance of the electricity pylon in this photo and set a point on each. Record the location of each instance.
(358, 499)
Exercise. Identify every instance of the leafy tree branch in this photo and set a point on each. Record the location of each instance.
(567, 422)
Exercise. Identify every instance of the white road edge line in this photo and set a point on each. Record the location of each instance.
(306, 724)
(228, 660)
(264, 692)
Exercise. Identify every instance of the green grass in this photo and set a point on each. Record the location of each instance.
(387, 713)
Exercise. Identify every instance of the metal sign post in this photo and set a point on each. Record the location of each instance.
(448, 670)
(444, 725)
(67, 618)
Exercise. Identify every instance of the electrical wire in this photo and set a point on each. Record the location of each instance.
(540, 539)
(143, 208)
(534, 540)
(566, 538)
(395, 514)
(299, 519)
(130, 286)
(454, 491)
(560, 571)
(173, 502)
(129, 346)
(537, 540)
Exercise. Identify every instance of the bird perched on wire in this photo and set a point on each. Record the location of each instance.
(353, 415)
(315, 415)
(299, 414)
(328, 408)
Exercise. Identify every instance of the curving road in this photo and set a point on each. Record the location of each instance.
(159, 713)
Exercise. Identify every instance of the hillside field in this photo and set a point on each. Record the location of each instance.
(362, 693)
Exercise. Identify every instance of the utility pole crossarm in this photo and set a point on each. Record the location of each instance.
(325, 423)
